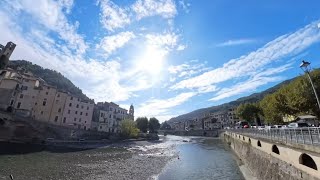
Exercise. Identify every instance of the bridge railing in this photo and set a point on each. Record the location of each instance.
(307, 135)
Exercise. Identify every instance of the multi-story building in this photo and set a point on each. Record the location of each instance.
(32, 97)
(232, 116)
(211, 123)
(10, 85)
(77, 113)
(221, 116)
(110, 115)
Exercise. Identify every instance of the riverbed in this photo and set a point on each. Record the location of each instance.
(172, 157)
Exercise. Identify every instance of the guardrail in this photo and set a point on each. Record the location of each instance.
(308, 135)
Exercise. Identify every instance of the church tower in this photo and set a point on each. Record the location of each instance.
(131, 112)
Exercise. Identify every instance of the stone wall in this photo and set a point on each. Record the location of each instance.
(209, 133)
(272, 161)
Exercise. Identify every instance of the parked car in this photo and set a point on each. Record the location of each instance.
(242, 124)
(277, 126)
(297, 125)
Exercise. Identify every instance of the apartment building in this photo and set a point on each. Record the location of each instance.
(77, 113)
(232, 116)
(109, 116)
(31, 97)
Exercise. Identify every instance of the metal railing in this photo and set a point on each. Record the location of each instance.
(307, 135)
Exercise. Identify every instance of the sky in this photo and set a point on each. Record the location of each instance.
(165, 57)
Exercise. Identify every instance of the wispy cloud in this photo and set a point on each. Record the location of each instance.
(255, 81)
(110, 43)
(236, 42)
(283, 46)
(112, 16)
(146, 8)
(156, 107)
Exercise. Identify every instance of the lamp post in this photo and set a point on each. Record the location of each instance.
(304, 66)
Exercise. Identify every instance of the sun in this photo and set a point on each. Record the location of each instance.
(151, 60)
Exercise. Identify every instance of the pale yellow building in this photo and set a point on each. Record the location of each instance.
(77, 113)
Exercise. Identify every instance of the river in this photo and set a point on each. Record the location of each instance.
(172, 157)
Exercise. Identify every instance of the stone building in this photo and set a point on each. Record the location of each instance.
(109, 116)
(30, 96)
(5, 53)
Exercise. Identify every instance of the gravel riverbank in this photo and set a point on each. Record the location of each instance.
(135, 160)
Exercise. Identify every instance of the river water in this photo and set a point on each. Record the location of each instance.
(172, 157)
(201, 158)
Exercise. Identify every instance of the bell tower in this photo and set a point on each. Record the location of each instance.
(131, 112)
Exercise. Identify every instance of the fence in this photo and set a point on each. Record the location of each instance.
(308, 135)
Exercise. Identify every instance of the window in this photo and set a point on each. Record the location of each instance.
(64, 120)
(19, 104)
(68, 111)
(80, 113)
(48, 87)
(87, 108)
(85, 128)
(35, 103)
(85, 121)
(79, 119)
(81, 107)
(58, 95)
(77, 106)
(59, 110)
(21, 96)
(70, 104)
(76, 112)
(110, 116)
(71, 98)
(44, 103)
(11, 103)
(101, 114)
(75, 119)
(100, 127)
(47, 93)
(86, 114)
(41, 112)
(56, 119)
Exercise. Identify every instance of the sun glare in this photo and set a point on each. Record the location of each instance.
(151, 60)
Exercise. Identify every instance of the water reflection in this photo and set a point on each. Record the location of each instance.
(202, 158)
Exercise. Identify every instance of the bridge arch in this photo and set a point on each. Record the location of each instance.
(259, 143)
(275, 149)
(307, 160)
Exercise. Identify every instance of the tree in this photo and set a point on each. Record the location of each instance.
(129, 129)
(154, 125)
(249, 112)
(271, 110)
(142, 124)
(165, 126)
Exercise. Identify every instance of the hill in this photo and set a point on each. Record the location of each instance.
(247, 99)
(52, 77)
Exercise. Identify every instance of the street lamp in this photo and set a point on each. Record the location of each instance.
(305, 67)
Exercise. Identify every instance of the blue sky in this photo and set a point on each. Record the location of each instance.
(166, 57)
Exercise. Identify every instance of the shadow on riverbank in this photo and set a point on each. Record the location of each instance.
(13, 148)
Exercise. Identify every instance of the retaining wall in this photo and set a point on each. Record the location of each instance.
(268, 160)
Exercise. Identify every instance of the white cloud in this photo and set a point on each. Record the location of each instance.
(112, 16)
(181, 47)
(146, 8)
(167, 40)
(159, 107)
(242, 87)
(49, 14)
(110, 43)
(250, 85)
(236, 42)
(185, 6)
(187, 69)
(283, 46)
